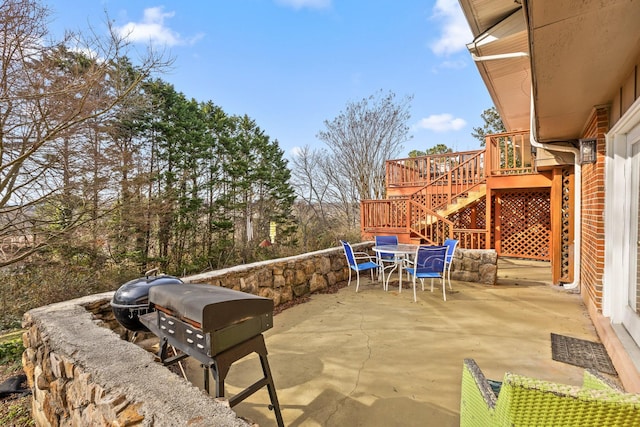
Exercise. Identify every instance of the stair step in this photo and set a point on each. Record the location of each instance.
(462, 202)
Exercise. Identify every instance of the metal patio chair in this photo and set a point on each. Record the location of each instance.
(352, 261)
(451, 245)
(428, 263)
(386, 260)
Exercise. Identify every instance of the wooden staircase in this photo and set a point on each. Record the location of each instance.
(463, 202)
(502, 198)
(423, 193)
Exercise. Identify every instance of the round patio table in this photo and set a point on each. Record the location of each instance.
(400, 252)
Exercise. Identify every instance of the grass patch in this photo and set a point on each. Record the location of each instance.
(14, 411)
(17, 414)
(11, 352)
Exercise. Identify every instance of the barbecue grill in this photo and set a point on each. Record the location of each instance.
(216, 326)
(131, 300)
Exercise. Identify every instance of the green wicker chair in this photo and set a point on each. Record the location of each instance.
(524, 401)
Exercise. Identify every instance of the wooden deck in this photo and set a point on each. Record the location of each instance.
(493, 198)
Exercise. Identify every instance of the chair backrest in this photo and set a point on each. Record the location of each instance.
(348, 252)
(451, 245)
(430, 259)
(386, 240)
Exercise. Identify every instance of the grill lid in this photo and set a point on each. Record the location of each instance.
(132, 299)
(136, 292)
(213, 307)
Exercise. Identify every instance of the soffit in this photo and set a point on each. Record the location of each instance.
(580, 52)
(484, 14)
(508, 80)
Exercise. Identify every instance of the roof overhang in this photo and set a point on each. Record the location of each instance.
(501, 54)
(580, 52)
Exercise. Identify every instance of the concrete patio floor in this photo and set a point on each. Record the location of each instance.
(376, 358)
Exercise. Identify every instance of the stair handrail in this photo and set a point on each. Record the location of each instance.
(445, 181)
(441, 228)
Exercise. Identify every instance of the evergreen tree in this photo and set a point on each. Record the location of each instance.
(259, 178)
(492, 124)
(437, 149)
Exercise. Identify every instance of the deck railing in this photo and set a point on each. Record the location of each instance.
(509, 154)
(472, 238)
(441, 179)
(403, 215)
(418, 171)
(389, 213)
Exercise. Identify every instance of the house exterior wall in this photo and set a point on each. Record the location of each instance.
(605, 313)
(593, 187)
(627, 92)
(592, 226)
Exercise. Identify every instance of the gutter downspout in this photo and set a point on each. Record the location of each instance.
(578, 195)
(576, 162)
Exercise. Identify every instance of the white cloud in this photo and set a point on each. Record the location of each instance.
(296, 151)
(457, 64)
(440, 123)
(300, 4)
(455, 32)
(152, 29)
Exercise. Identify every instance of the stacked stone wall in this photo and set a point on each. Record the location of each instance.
(82, 373)
(475, 265)
(83, 370)
(286, 278)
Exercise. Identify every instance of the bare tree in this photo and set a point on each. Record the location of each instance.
(312, 191)
(48, 93)
(311, 187)
(327, 208)
(362, 138)
(344, 206)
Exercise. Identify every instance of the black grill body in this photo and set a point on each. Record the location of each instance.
(216, 326)
(131, 300)
(210, 319)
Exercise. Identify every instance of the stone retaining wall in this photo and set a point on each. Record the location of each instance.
(285, 278)
(475, 265)
(82, 371)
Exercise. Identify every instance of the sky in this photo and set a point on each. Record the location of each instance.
(291, 65)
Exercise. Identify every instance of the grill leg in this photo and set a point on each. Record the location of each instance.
(205, 382)
(224, 360)
(164, 346)
(275, 406)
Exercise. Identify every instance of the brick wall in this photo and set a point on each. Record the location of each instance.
(592, 227)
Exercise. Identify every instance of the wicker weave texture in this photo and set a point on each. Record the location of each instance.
(525, 401)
